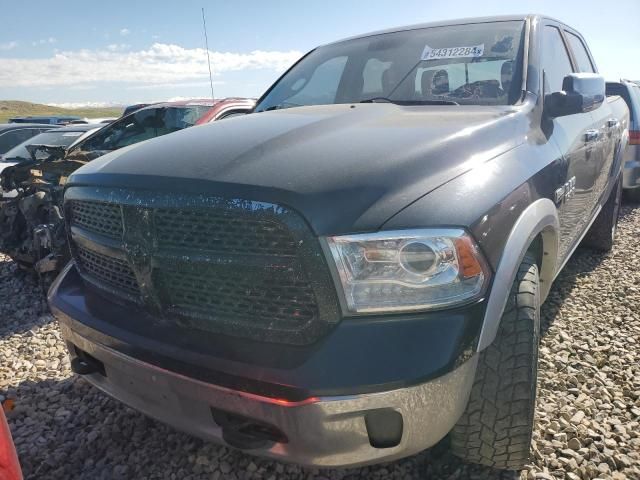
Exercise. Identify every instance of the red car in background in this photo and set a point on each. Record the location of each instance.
(9, 464)
(156, 120)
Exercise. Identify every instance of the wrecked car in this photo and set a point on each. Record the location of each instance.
(30, 215)
(31, 228)
(357, 271)
(63, 137)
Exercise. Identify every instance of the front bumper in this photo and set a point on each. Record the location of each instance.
(319, 431)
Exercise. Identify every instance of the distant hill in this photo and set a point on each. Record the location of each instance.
(14, 108)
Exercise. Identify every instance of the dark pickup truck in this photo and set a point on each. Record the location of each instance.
(357, 271)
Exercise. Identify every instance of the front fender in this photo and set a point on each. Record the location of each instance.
(539, 218)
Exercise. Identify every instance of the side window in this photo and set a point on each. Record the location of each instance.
(140, 126)
(555, 60)
(6, 142)
(25, 134)
(373, 77)
(439, 80)
(580, 52)
(322, 87)
(13, 138)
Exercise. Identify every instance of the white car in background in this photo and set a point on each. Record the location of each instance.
(58, 137)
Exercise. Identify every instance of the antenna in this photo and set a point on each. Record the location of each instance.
(206, 43)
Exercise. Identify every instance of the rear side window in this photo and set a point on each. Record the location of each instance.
(12, 138)
(143, 125)
(555, 60)
(580, 52)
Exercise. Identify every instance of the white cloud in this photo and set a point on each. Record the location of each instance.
(114, 47)
(44, 41)
(124, 32)
(85, 105)
(203, 83)
(8, 45)
(159, 64)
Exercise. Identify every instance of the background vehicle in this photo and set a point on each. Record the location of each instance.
(358, 270)
(85, 121)
(56, 137)
(630, 92)
(14, 134)
(9, 463)
(52, 120)
(132, 108)
(156, 120)
(31, 228)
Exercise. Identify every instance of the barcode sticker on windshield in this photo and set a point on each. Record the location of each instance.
(452, 52)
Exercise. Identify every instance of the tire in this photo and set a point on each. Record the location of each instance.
(496, 428)
(602, 233)
(632, 194)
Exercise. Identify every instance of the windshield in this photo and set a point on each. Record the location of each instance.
(143, 125)
(52, 137)
(474, 64)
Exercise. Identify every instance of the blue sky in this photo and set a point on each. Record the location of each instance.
(118, 52)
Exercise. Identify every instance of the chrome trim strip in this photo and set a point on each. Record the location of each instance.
(98, 243)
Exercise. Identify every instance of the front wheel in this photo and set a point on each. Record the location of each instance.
(497, 425)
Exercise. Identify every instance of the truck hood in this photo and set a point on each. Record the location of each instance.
(345, 168)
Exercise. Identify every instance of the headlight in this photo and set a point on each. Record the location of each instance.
(408, 270)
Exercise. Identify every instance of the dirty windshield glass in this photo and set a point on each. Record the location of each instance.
(143, 125)
(475, 64)
(58, 138)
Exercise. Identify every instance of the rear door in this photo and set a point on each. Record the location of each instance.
(574, 135)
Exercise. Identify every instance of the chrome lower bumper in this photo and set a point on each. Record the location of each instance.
(325, 431)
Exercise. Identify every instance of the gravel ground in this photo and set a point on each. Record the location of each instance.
(588, 416)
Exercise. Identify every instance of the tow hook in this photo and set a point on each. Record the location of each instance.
(86, 366)
(245, 433)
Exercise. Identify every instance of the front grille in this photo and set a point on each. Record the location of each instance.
(108, 271)
(258, 300)
(224, 266)
(97, 217)
(219, 231)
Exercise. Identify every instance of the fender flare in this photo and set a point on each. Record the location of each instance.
(539, 218)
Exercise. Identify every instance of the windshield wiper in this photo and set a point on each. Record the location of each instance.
(409, 102)
(377, 100)
(279, 106)
(436, 102)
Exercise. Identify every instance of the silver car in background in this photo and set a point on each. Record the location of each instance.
(630, 91)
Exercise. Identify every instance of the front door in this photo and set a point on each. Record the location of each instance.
(575, 137)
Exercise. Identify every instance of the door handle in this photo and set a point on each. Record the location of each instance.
(591, 135)
(613, 122)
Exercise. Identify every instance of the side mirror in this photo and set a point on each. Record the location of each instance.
(581, 93)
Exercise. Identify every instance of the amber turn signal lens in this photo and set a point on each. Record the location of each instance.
(468, 258)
